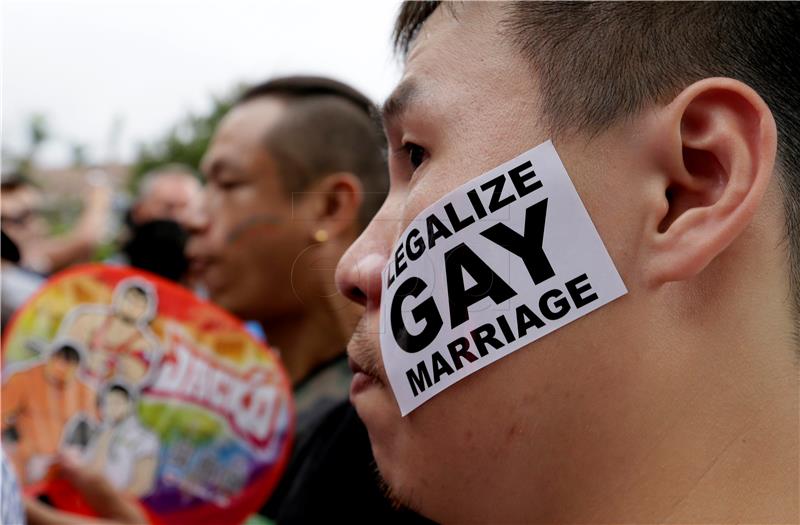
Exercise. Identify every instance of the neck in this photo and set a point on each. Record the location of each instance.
(690, 415)
(718, 438)
(56, 382)
(319, 333)
(724, 424)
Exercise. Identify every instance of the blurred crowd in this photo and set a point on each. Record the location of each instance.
(292, 175)
(152, 237)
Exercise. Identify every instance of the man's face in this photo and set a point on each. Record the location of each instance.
(61, 370)
(172, 196)
(133, 305)
(473, 106)
(116, 406)
(246, 243)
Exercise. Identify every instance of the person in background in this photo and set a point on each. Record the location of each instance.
(170, 192)
(678, 125)
(293, 173)
(17, 285)
(157, 222)
(39, 251)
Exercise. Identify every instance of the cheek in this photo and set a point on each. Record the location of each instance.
(603, 171)
(431, 464)
(266, 271)
(494, 418)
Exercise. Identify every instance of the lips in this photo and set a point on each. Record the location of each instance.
(208, 271)
(198, 267)
(362, 379)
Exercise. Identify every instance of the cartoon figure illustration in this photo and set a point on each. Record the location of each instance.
(122, 449)
(37, 404)
(118, 341)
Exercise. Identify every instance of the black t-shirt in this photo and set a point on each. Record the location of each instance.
(331, 477)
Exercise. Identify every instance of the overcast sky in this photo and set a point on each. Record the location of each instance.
(83, 63)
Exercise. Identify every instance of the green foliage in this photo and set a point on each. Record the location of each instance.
(78, 152)
(38, 131)
(185, 143)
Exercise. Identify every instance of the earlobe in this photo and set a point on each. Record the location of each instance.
(718, 158)
(340, 197)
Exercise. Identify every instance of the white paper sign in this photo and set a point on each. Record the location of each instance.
(494, 265)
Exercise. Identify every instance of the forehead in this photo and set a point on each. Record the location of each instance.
(470, 77)
(243, 130)
(464, 43)
(21, 196)
(134, 294)
(169, 184)
(116, 395)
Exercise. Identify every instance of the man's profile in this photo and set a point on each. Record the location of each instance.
(295, 170)
(677, 124)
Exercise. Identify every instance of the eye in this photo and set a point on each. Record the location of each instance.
(229, 185)
(416, 154)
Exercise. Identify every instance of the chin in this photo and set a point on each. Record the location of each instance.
(393, 470)
(388, 435)
(378, 410)
(228, 302)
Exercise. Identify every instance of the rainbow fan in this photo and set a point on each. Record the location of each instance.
(134, 377)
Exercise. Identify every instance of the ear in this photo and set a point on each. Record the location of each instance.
(336, 201)
(716, 151)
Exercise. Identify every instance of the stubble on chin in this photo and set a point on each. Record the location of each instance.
(403, 503)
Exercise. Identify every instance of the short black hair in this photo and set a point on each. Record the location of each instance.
(310, 86)
(117, 387)
(599, 62)
(67, 352)
(328, 127)
(9, 251)
(12, 180)
(137, 289)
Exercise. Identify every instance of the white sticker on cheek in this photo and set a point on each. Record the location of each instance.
(494, 265)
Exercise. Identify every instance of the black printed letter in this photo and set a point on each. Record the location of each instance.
(426, 310)
(487, 283)
(527, 246)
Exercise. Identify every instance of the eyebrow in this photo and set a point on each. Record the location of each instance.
(218, 165)
(398, 102)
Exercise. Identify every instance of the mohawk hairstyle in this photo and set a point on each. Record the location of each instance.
(328, 127)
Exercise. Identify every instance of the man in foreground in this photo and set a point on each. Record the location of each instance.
(677, 402)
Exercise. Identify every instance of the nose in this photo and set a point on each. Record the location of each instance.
(358, 274)
(195, 218)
